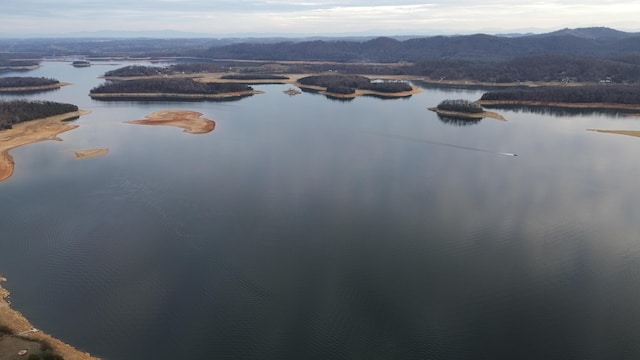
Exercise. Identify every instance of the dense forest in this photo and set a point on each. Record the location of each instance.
(8, 62)
(168, 86)
(612, 94)
(460, 105)
(347, 84)
(18, 81)
(16, 111)
(180, 68)
(564, 68)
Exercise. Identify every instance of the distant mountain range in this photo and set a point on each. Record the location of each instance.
(590, 42)
(597, 41)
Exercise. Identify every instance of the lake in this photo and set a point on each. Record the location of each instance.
(308, 228)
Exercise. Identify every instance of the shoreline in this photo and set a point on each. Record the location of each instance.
(594, 106)
(634, 133)
(143, 96)
(30, 132)
(32, 88)
(18, 324)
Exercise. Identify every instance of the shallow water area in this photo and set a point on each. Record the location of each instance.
(305, 227)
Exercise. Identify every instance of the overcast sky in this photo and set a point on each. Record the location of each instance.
(221, 18)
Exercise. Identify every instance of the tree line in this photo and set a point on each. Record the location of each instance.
(180, 68)
(168, 86)
(460, 105)
(613, 94)
(19, 81)
(17, 111)
(565, 68)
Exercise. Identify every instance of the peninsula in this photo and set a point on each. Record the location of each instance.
(168, 89)
(623, 97)
(26, 122)
(20, 338)
(17, 84)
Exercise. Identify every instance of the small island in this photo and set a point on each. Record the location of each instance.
(169, 89)
(190, 121)
(81, 63)
(464, 109)
(350, 86)
(24, 122)
(18, 84)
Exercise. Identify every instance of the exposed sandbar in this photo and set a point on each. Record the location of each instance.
(469, 115)
(90, 153)
(190, 121)
(29, 132)
(18, 324)
(635, 133)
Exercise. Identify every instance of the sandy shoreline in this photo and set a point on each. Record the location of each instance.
(33, 88)
(634, 133)
(29, 132)
(190, 121)
(17, 323)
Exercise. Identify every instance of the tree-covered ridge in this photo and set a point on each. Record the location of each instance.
(534, 68)
(460, 105)
(168, 86)
(610, 94)
(18, 81)
(16, 111)
(182, 68)
(7, 63)
(347, 84)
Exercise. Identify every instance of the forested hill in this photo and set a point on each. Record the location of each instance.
(600, 42)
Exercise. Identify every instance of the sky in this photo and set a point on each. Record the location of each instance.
(224, 18)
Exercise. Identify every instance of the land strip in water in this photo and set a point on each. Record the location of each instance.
(18, 334)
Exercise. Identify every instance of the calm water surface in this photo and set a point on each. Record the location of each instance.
(308, 228)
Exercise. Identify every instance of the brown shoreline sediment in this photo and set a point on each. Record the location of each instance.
(33, 88)
(29, 132)
(190, 121)
(634, 133)
(466, 115)
(560, 104)
(18, 324)
(90, 153)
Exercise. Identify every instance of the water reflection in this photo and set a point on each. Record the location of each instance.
(561, 111)
(458, 121)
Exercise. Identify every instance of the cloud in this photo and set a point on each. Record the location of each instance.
(313, 16)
